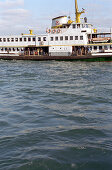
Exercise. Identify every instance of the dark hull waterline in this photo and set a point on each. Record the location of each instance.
(60, 58)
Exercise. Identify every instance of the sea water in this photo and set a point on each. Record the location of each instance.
(55, 115)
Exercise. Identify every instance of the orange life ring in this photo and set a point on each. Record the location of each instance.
(54, 31)
(58, 31)
(48, 31)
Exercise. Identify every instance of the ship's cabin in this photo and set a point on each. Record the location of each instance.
(100, 37)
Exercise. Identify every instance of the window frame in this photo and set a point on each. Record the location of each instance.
(25, 39)
(56, 38)
(12, 39)
(44, 38)
(74, 26)
(33, 39)
(76, 38)
(100, 47)
(61, 38)
(8, 39)
(81, 37)
(39, 39)
(66, 38)
(71, 38)
(4, 39)
(29, 39)
(95, 48)
(16, 39)
(51, 38)
(20, 39)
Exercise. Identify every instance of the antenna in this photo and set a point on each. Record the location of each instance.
(78, 14)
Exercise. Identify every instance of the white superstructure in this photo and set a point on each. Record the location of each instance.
(59, 41)
(64, 38)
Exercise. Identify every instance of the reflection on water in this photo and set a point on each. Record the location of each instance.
(55, 115)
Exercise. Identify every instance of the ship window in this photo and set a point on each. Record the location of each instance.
(1, 49)
(44, 38)
(56, 38)
(74, 26)
(51, 38)
(83, 25)
(9, 49)
(71, 37)
(78, 25)
(4, 39)
(25, 39)
(5, 49)
(12, 39)
(61, 38)
(95, 47)
(66, 37)
(33, 39)
(16, 39)
(81, 37)
(29, 39)
(0, 39)
(105, 47)
(17, 49)
(39, 38)
(76, 37)
(100, 47)
(110, 47)
(90, 48)
(8, 39)
(13, 49)
(20, 39)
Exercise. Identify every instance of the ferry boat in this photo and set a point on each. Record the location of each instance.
(65, 40)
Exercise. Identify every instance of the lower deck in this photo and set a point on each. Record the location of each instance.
(46, 53)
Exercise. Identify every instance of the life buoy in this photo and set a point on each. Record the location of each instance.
(58, 31)
(54, 31)
(48, 31)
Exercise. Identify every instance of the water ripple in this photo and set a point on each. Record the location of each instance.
(55, 115)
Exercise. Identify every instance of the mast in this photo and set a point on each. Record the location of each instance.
(78, 14)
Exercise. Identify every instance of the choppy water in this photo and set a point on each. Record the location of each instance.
(55, 115)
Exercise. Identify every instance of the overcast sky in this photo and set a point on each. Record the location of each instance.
(18, 16)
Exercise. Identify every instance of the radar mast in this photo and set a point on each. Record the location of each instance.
(78, 14)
